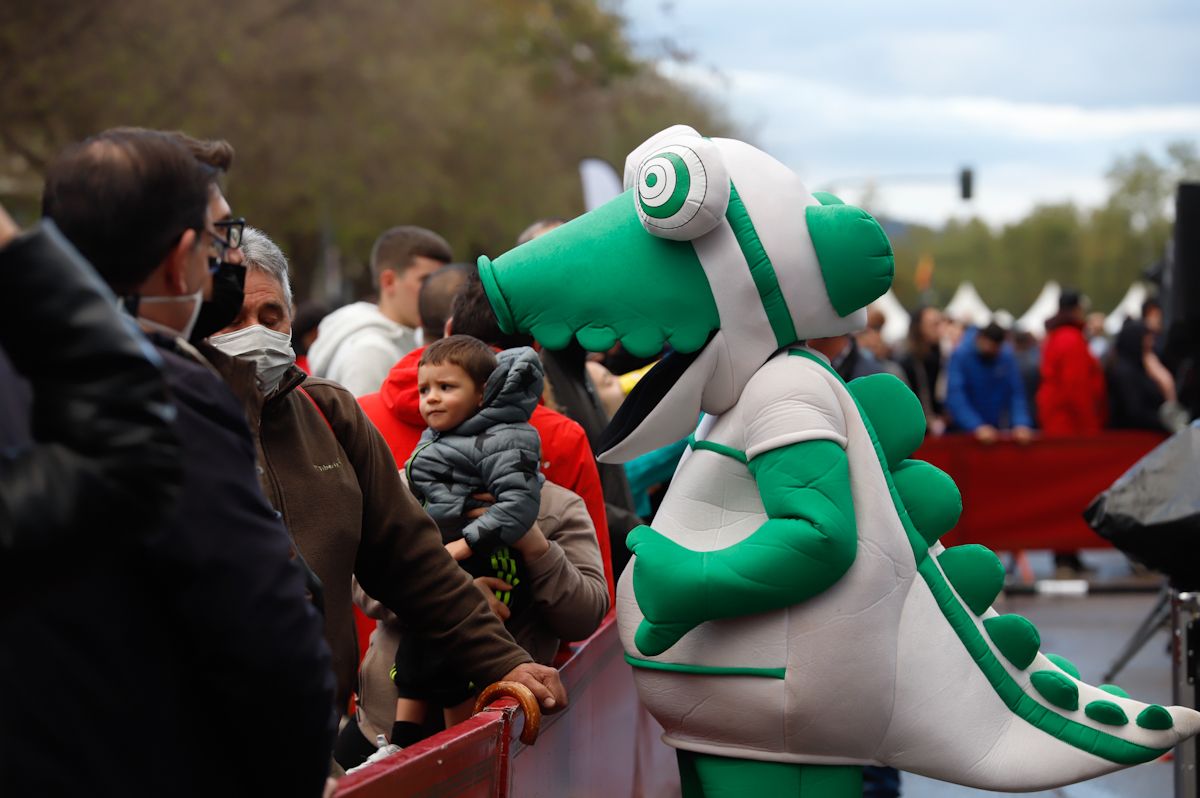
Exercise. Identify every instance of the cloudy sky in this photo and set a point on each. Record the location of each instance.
(1038, 96)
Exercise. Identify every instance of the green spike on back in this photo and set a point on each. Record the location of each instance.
(1106, 712)
(1156, 718)
(975, 573)
(895, 414)
(825, 198)
(854, 253)
(1064, 664)
(1112, 689)
(930, 496)
(1057, 688)
(1017, 638)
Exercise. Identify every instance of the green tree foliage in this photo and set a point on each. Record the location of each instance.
(1100, 251)
(349, 116)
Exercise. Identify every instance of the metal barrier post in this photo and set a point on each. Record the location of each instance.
(1185, 624)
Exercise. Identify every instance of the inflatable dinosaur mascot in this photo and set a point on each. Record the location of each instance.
(790, 614)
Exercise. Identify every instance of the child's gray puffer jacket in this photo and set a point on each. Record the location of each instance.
(495, 451)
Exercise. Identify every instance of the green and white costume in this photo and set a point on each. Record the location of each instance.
(791, 604)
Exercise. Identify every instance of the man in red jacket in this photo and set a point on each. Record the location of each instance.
(1071, 398)
(567, 458)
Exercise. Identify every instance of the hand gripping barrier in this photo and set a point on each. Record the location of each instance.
(524, 698)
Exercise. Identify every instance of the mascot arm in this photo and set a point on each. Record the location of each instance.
(807, 543)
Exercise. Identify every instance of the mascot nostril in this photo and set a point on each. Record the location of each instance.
(790, 614)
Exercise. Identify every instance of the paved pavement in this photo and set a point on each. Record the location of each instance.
(1090, 631)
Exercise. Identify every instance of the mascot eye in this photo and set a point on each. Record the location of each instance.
(682, 189)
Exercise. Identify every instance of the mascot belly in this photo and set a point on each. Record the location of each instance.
(790, 614)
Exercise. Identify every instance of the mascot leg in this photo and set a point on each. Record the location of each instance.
(705, 776)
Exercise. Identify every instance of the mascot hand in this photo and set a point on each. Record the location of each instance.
(666, 584)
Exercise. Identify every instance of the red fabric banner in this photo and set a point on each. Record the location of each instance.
(1033, 497)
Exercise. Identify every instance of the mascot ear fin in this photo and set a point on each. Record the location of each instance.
(854, 252)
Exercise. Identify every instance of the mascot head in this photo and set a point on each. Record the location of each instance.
(715, 249)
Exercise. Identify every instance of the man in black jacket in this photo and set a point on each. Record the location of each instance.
(85, 419)
(185, 660)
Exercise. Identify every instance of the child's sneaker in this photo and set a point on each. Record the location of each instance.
(385, 750)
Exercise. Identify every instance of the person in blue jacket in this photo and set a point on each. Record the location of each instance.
(984, 392)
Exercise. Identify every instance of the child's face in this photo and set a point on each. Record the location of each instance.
(448, 395)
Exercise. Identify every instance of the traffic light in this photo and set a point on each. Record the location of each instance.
(965, 179)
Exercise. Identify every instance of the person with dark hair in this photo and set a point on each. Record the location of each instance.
(984, 392)
(1139, 385)
(1070, 398)
(205, 616)
(471, 314)
(305, 327)
(128, 199)
(229, 274)
(851, 360)
(1028, 354)
(922, 362)
(1152, 316)
(360, 342)
(437, 297)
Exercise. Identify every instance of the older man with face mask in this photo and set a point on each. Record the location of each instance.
(329, 472)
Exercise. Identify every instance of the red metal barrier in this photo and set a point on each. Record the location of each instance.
(1032, 497)
(603, 744)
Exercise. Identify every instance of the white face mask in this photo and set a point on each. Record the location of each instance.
(271, 352)
(197, 299)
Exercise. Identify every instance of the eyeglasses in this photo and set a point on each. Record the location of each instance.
(234, 229)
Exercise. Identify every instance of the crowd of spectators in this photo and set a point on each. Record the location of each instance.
(993, 381)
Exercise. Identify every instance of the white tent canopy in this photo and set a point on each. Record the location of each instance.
(1045, 306)
(968, 307)
(895, 318)
(1130, 307)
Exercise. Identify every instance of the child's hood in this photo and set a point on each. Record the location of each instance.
(511, 393)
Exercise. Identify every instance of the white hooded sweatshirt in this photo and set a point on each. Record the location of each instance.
(357, 346)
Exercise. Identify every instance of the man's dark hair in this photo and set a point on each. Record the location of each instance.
(916, 341)
(309, 314)
(993, 332)
(124, 197)
(437, 296)
(396, 248)
(472, 315)
(1150, 304)
(1069, 299)
(217, 153)
(469, 354)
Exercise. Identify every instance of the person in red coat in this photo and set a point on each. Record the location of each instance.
(1071, 398)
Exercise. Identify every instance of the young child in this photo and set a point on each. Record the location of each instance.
(479, 441)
